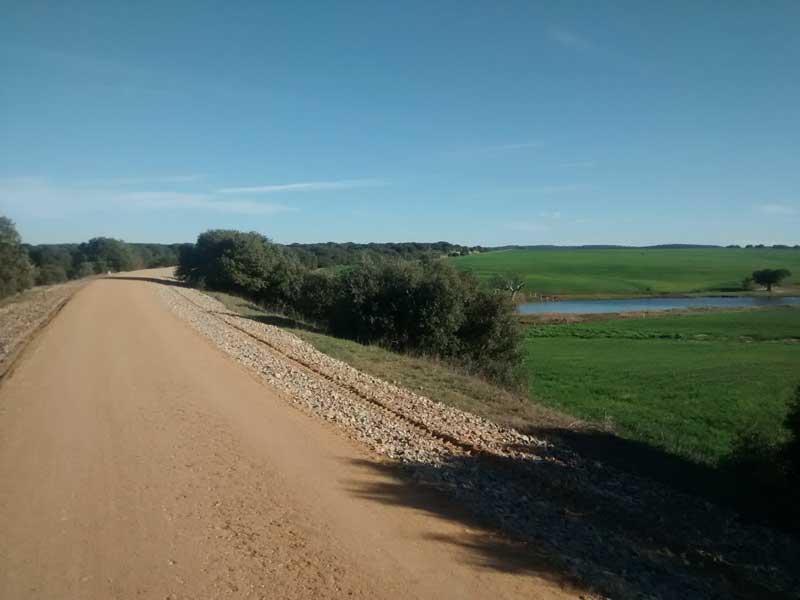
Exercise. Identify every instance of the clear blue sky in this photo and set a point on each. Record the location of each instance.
(474, 122)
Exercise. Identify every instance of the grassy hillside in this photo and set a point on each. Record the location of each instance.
(631, 271)
(686, 384)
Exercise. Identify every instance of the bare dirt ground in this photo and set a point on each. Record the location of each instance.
(22, 314)
(138, 461)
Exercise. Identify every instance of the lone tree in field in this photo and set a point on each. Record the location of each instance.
(512, 283)
(770, 277)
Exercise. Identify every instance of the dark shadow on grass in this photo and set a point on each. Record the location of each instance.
(280, 321)
(728, 289)
(568, 519)
(641, 459)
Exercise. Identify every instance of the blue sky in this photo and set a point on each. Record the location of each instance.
(475, 122)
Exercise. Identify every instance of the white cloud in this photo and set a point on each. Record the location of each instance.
(528, 226)
(468, 151)
(553, 215)
(144, 180)
(579, 164)
(177, 200)
(778, 209)
(307, 186)
(568, 39)
(38, 198)
(517, 146)
(563, 188)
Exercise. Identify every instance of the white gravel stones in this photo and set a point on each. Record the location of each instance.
(378, 429)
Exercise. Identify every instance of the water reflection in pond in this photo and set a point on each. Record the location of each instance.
(651, 304)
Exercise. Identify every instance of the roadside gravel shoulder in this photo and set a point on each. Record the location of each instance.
(627, 537)
(23, 316)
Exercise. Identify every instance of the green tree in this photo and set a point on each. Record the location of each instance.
(770, 277)
(84, 269)
(50, 274)
(16, 270)
(228, 260)
(317, 296)
(513, 283)
(108, 254)
(425, 306)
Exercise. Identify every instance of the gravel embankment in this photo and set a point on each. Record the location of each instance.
(625, 536)
(22, 317)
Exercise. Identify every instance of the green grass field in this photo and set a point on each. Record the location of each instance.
(631, 271)
(686, 384)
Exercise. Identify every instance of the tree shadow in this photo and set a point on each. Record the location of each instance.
(413, 486)
(569, 519)
(641, 459)
(280, 321)
(268, 319)
(170, 282)
(728, 289)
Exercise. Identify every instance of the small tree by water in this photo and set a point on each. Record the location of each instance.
(770, 277)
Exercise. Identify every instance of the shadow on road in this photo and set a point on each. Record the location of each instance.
(172, 282)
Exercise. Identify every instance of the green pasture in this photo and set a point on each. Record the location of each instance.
(686, 384)
(631, 271)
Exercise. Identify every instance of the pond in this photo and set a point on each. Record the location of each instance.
(651, 304)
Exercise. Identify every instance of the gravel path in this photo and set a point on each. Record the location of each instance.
(139, 461)
(627, 537)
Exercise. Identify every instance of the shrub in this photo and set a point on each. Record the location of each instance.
(281, 283)
(16, 270)
(425, 307)
(50, 274)
(107, 254)
(316, 296)
(791, 450)
(767, 473)
(491, 336)
(428, 308)
(230, 261)
(84, 269)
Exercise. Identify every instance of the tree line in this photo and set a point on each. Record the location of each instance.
(330, 254)
(25, 265)
(424, 307)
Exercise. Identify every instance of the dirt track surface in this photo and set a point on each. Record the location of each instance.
(137, 461)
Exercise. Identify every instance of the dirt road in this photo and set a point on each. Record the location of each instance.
(137, 461)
